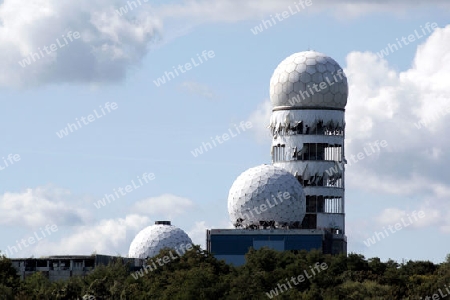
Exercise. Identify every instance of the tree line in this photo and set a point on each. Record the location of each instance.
(267, 274)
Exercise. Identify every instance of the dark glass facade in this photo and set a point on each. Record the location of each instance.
(232, 247)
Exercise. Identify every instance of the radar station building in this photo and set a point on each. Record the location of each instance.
(298, 202)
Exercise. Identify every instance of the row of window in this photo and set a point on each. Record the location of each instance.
(324, 204)
(319, 129)
(319, 181)
(310, 151)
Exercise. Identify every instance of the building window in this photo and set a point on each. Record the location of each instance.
(278, 153)
(334, 181)
(333, 153)
(333, 205)
(311, 204)
(339, 131)
(309, 221)
(320, 204)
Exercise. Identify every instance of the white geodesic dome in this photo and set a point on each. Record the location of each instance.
(149, 241)
(292, 82)
(265, 185)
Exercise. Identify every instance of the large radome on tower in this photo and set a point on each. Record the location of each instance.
(309, 79)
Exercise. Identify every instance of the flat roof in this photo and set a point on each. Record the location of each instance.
(54, 257)
(268, 231)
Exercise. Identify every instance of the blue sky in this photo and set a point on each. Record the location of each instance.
(117, 58)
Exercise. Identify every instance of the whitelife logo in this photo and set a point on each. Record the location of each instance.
(35, 237)
(263, 207)
(150, 264)
(147, 177)
(442, 112)
(265, 24)
(32, 57)
(398, 226)
(9, 161)
(221, 139)
(86, 120)
(281, 287)
(436, 296)
(317, 88)
(360, 156)
(129, 7)
(187, 66)
(391, 48)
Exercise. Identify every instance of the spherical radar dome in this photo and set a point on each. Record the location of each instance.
(149, 241)
(266, 194)
(309, 79)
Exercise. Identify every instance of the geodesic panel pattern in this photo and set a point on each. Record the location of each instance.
(266, 194)
(149, 241)
(309, 79)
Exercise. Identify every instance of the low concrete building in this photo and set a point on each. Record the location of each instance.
(65, 266)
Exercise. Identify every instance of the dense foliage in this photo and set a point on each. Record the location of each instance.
(198, 275)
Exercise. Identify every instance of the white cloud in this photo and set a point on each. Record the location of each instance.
(108, 45)
(386, 104)
(234, 11)
(392, 103)
(165, 206)
(41, 206)
(78, 233)
(198, 233)
(260, 119)
(391, 216)
(167, 35)
(108, 236)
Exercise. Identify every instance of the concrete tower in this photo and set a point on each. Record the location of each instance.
(308, 91)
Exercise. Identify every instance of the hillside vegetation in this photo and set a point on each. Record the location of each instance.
(268, 274)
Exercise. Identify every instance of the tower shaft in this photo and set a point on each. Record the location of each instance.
(309, 143)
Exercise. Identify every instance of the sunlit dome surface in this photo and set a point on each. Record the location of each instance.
(299, 72)
(259, 186)
(149, 241)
